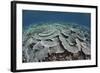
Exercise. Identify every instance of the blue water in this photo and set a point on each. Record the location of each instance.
(35, 17)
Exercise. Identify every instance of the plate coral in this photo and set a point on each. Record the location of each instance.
(56, 42)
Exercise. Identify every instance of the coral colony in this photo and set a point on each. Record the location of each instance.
(56, 42)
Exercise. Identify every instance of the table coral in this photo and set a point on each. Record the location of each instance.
(56, 42)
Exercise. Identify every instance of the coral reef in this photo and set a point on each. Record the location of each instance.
(56, 42)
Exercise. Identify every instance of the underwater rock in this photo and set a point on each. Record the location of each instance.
(41, 40)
